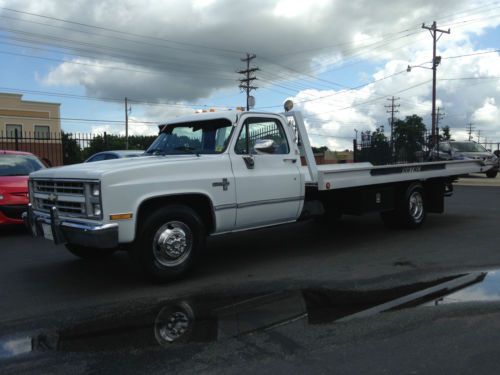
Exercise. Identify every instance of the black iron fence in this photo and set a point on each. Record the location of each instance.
(492, 146)
(382, 152)
(60, 148)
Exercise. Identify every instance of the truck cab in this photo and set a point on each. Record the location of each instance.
(226, 171)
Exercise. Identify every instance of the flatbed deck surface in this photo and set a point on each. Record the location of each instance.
(341, 176)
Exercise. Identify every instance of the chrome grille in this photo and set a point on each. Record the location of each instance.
(59, 187)
(63, 207)
(67, 196)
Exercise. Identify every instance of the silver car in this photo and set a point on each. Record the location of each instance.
(114, 154)
(455, 150)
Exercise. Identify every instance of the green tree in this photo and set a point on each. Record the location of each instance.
(109, 142)
(319, 150)
(446, 134)
(409, 136)
(72, 152)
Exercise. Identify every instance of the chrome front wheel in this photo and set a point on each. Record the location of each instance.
(168, 242)
(172, 243)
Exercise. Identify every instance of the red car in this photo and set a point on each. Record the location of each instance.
(15, 166)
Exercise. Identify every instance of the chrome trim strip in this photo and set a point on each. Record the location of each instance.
(64, 179)
(269, 201)
(257, 203)
(256, 227)
(225, 206)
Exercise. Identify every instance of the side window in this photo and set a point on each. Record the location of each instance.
(42, 132)
(11, 129)
(110, 156)
(262, 129)
(98, 157)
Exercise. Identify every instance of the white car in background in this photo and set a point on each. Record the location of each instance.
(468, 150)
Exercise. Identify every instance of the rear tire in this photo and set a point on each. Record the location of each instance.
(491, 174)
(410, 212)
(90, 253)
(168, 242)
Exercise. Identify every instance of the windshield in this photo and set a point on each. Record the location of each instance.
(468, 147)
(18, 165)
(200, 137)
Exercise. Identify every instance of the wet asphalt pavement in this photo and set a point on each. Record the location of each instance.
(46, 291)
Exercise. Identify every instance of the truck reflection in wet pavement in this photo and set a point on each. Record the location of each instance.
(208, 318)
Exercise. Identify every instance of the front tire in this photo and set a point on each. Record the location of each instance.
(89, 253)
(168, 242)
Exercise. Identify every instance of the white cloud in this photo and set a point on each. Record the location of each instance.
(193, 50)
(488, 113)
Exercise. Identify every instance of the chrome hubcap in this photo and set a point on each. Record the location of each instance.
(172, 243)
(416, 206)
(171, 324)
(175, 326)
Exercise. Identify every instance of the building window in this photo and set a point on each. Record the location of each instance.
(42, 132)
(11, 130)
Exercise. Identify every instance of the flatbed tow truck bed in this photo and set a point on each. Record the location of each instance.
(351, 175)
(341, 176)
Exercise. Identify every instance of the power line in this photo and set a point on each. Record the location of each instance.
(150, 37)
(114, 67)
(339, 92)
(84, 120)
(109, 99)
(470, 54)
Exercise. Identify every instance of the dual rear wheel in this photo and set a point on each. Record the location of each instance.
(410, 211)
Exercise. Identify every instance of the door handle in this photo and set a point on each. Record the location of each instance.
(293, 160)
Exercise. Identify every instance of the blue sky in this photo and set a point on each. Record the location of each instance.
(77, 49)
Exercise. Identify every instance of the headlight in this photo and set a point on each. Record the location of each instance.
(95, 190)
(93, 200)
(1, 197)
(97, 209)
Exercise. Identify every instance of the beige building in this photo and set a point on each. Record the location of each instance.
(31, 119)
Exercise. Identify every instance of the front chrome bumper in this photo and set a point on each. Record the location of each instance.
(66, 231)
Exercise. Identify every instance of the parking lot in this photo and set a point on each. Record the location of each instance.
(38, 277)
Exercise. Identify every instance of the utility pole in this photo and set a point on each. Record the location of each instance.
(246, 83)
(439, 116)
(470, 129)
(126, 123)
(479, 136)
(435, 62)
(392, 110)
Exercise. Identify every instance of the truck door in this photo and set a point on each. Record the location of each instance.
(267, 174)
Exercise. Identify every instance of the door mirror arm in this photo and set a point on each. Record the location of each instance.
(249, 161)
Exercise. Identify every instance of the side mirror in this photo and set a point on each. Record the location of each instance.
(265, 146)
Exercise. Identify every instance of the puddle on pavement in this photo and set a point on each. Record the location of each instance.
(488, 290)
(209, 318)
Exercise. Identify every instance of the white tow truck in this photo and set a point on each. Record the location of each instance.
(215, 173)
